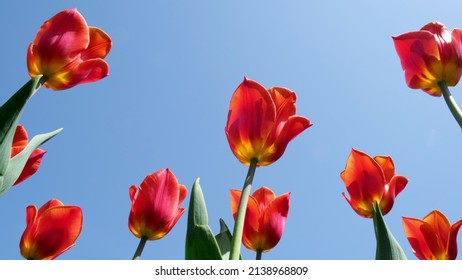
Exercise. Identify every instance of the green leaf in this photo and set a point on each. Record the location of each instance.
(200, 241)
(10, 113)
(16, 164)
(387, 246)
(224, 240)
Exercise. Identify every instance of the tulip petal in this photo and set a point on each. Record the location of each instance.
(250, 120)
(440, 227)
(86, 72)
(99, 46)
(155, 205)
(235, 197)
(412, 228)
(32, 165)
(433, 237)
(284, 100)
(20, 140)
(273, 222)
(364, 180)
(251, 237)
(53, 231)
(59, 40)
(291, 129)
(264, 197)
(452, 240)
(387, 165)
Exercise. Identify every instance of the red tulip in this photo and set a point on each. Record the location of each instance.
(262, 122)
(431, 55)
(369, 180)
(265, 218)
(67, 52)
(433, 237)
(51, 230)
(156, 205)
(20, 141)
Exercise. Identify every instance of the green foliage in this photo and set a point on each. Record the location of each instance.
(387, 246)
(200, 241)
(10, 113)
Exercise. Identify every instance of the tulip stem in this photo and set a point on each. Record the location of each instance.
(240, 216)
(450, 101)
(259, 253)
(140, 248)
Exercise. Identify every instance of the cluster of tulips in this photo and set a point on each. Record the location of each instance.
(261, 122)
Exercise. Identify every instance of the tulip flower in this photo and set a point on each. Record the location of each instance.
(371, 180)
(20, 141)
(67, 52)
(433, 237)
(429, 56)
(155, 206)
(262, 122)
(51, 230)
(265, 218)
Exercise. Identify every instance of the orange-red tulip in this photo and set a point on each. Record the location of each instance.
(433, 237)
(67, 52)
(20, 141)
(369, 180)
(262, 122)
(51, 230)
(431, 55)
(265, 218)
(156, 205)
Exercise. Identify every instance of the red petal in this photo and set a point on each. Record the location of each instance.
(387, 165)
(251, 119)
(252, 237)
(364, 180)
(59, 41)
(441, 227)
(20, 140)
(32, 165)
(99, 46)
(452, 240)
(84, 72)
(264, 197)
(273, 222)
(155, 207)
(412, 229)
(55, 231)
(234, 198)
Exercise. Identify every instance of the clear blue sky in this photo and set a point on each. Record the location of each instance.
(173, 69)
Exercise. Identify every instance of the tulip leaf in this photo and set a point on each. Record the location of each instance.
(17, 163)
(200, 241)
(10, 112)
(387, 246)
(224, 240)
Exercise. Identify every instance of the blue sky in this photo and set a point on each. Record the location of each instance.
(173, 69)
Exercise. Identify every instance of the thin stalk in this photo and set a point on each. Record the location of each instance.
(259, 253)
(235, 250)
(451, 102)
(140, 248)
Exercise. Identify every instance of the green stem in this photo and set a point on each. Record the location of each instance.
(140, 248)
(240, 216)
(259, 253)
(453, 107)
